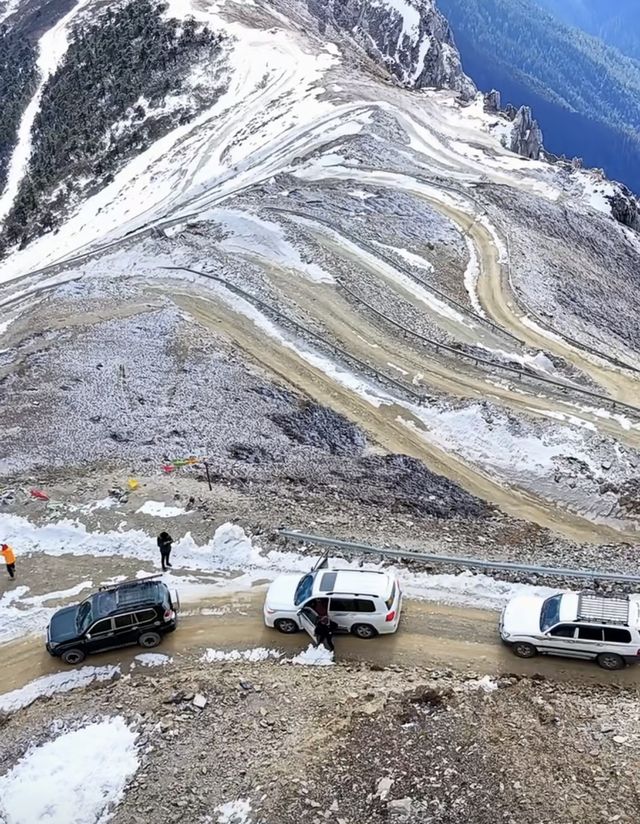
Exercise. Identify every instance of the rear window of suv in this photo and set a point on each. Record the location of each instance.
(617, 636)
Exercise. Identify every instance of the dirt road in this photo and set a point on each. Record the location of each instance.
(430, 635)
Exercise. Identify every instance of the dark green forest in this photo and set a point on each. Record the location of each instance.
(584, 94)
(18, 80)
(127, 53)
(617, 22)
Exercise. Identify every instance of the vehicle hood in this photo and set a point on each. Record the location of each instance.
(521, 616)
(281, 593)
(63, 625)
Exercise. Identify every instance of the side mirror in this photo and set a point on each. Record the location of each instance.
(87, 636)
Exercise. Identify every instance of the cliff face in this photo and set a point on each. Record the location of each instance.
(410, 38)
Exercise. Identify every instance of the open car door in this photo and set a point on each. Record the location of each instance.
(308, 619)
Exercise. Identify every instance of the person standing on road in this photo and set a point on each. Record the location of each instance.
(164, 545)
(9, 559)
(324, 633)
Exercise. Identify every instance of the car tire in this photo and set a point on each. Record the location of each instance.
(524, 650)
(149, 640)
(286, 625)
(73, 656)
(364, 631)
(610, 661)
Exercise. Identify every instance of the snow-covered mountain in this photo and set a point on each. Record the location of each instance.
(332, 160)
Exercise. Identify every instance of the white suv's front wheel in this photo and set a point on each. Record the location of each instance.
(286, 625)
(524, 650)
(610, 661)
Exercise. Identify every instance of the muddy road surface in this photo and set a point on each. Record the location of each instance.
(431, 635)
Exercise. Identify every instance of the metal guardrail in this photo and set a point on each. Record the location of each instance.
(471, 563)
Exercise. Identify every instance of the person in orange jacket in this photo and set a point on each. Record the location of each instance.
(9, 559)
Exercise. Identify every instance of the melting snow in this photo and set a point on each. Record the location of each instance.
(153, 659)
(212, 656)
(161, 510)
(234, 812)
(51, 684)
(314, 657)
(78, 777)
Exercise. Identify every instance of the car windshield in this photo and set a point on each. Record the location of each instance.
(303, 590)
(84, 616)
(550, 613)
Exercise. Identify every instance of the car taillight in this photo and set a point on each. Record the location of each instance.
(169, 615)
(390, 615)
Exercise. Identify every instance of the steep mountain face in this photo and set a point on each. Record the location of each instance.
(409, 37)
(585, 94)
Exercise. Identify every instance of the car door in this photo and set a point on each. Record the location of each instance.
(308, 618)
(343, 612)
(589, 642)
(100, 636)
(559, 640)
(126, 629)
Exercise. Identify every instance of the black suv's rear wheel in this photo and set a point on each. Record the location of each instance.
(286, 625)
(363, 631)
(73, 656)
(149, 639)
(610, 661)
(524, 650)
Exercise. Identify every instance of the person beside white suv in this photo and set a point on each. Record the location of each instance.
(574, 625)
(364, 603)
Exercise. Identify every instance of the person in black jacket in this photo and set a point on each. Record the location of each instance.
(324, 633)
(164, 545)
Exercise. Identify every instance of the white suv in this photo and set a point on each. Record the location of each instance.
(365, 603)
(574, 625)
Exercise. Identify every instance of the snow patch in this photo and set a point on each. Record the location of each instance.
(484, 684)
(51, 684)
(161, 510)
(234, 812)
(78, 777)
(212, 656)
(153, 659)
(314, 657)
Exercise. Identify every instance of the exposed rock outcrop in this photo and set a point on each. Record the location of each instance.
(625, 207)
(492, 101)
(410, 38)
(526, 137)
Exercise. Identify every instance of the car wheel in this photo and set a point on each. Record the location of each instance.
(610, 661)
(363, 630)
(149, 639)
(73, 656)
(286, 625)
(524, 650)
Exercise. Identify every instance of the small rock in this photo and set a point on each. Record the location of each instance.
(383, 787)
(400, 808)
(620, 739)
(199, 701)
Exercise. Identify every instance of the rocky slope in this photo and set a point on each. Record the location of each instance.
(410, 38)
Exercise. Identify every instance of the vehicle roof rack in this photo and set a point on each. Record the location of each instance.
(603, 610)
(129, 582)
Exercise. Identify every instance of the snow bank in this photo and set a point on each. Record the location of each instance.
(484, 684)
(78, 777)
(22, 614)
(213, 656)
(52, 684)
(161, 510)
(153, 659)
(314, 657)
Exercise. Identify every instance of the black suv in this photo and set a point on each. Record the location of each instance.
(134, 612)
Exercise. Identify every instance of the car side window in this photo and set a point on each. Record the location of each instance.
(365, 606)
(101, 626)
(145, 616)
(123, 621)
(617, 636)
(563, 631)
(588, 633)
(342, 605)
